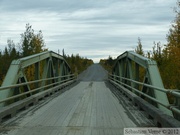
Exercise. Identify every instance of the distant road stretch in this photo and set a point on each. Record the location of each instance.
(94, 73)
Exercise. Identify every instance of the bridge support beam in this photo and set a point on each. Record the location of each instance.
(132, 67)
(33, 68)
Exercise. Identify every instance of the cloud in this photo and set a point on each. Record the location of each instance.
(91, 28)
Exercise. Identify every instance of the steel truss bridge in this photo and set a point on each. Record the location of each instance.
(40, 95)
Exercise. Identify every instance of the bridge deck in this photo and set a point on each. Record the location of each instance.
(89, 108)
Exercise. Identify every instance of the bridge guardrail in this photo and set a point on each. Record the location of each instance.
(10, 110)
(175, 108)
(34, 67)
(33, 77)
(72, 77)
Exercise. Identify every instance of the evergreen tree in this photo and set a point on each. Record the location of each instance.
(157, 53)
(13, 54)
(139, 49)
(63, 53)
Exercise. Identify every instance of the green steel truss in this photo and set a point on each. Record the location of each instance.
(40, 66)
(136, 67)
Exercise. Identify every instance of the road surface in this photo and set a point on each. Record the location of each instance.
(88, 108)
(93, 73)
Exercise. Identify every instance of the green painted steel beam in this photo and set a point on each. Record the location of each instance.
(143, 61)
(17, 68)
(27, 61)
(155, 79)
(124, 65)
(12, 77)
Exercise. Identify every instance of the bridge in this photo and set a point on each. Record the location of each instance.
(53, 101)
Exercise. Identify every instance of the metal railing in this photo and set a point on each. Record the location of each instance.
(70, 78)
(35, 67)
(175, 108)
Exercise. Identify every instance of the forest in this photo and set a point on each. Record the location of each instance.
(166, 55)
(33, 43)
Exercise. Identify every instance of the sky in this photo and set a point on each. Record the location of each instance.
(91, 28)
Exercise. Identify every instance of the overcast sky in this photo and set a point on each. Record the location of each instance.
(93, 28)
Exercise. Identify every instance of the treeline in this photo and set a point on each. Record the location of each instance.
(167, 56)
(77, 63)
(108, 63)
(32, 43)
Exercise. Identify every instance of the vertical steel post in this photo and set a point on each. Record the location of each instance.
(137, 75)
(177, 104)
(37, 73)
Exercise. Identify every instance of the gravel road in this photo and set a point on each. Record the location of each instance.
(94, 73)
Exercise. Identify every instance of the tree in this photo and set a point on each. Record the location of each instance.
(31, 43)
(37, 43)
(5, 60)
(173, 51)
(63, 53)
(167, 56)
(157, 53)
(108, 63)
(13, 54)
(139, 49)
(77, 63)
